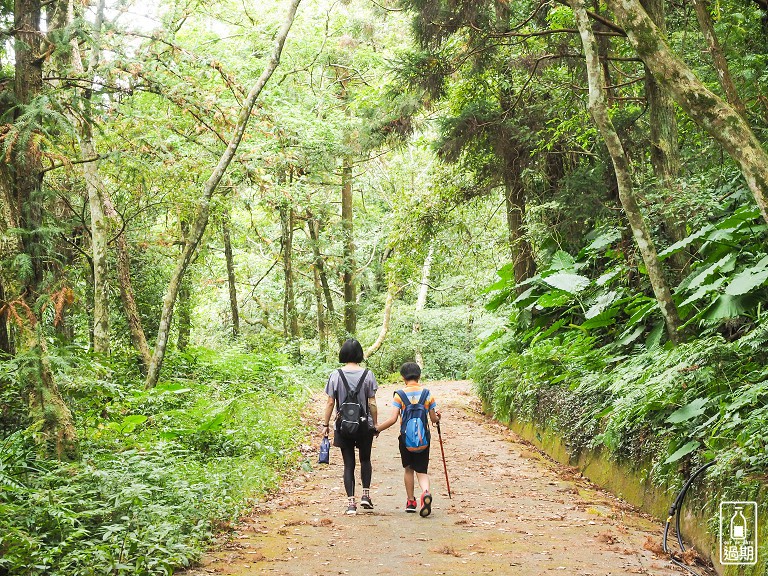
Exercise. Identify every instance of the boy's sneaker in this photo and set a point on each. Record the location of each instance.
(410, 506)
(366, 502)
(351, 509)
(426, 504)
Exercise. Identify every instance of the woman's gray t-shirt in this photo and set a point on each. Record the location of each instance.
(367, 389)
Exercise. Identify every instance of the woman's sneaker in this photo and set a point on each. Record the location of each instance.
(351, 509)
(426, 504)
(410, 506)
(366, 502)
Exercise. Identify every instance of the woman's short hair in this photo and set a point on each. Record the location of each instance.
(410, 371)
(351, 351)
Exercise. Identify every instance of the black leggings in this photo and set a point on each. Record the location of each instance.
(366, 470)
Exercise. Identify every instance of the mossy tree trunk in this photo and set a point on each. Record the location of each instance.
(599, 110)
(721, 121)
(93, 184)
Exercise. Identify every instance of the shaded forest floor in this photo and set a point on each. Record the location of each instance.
(513, 512)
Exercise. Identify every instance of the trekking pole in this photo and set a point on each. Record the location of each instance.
(445, 468)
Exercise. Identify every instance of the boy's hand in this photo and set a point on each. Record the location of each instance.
(439, 415)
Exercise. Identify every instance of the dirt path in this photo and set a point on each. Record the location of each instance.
(513, 512)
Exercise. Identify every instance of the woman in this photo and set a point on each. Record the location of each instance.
(350, 378)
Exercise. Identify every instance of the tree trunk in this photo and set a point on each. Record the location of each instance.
(93, 185)
(350, 296)
(235, 311)
(5, 338)
(708, 110)
(99, 234)
(599, 111)
(520, 248)
(421, 303)
(127, 295)
(185, 314)
(718, 57)
(185, 298)
(203, 211)
(665, 148)
(391, 295)
(322, 329)
(290, 318)
(314, 234)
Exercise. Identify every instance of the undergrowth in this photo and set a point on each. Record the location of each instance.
(159, 470)
(584, 353)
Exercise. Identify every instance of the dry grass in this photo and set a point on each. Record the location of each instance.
(449, 551)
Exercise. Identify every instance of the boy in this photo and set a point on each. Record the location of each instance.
(413, 462)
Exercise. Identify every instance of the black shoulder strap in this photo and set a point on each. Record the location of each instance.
(403, 397)
(360, 383)
(347, 390)
(424, 396)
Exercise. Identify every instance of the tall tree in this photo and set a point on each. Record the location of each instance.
(348, 264)
(203, 211)
(52, 420)
(599, 110)
(93, 184)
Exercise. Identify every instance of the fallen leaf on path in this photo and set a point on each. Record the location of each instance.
(690, 556)
(448, 551)
(606, 537)
(653, 545)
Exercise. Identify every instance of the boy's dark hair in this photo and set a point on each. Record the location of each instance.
(410, 371)
(351, 351)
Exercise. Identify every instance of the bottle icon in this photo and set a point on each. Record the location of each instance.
(738, 525)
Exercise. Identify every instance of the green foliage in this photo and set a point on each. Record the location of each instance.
(573, 356)
(159, 466)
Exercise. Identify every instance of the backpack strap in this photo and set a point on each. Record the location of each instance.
(347, 390)
(346, 387)
(423, 397)
(403, 398)
(357, 390)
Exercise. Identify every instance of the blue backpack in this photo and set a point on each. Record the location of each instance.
(414, 427)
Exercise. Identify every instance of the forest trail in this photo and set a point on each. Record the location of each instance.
(513, 512)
